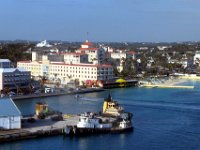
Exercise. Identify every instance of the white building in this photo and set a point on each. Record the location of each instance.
(121, 54)
(75, 58)
(161, 48)
(43, 44)
(93, 52)
(197, 57)
(10, 116)
(118, 55)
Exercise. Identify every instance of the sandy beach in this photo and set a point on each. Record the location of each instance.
(173, 82)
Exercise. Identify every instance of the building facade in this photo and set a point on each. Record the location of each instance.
(5, 63)
(75, 58)
(93, 52)
(197, 58)
(64, 72)
(10, 116)
(14, 78)
(120, 55)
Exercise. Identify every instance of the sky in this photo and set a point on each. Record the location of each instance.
(103, 20)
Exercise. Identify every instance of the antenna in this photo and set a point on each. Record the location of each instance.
(87, 35)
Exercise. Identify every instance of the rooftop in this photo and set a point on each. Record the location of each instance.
(8, 107)
(5, 60)
(87, 43)
(83, 65)
(12, 70)
(90, 48)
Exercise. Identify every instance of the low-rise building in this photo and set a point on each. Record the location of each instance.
(5, 63)
(14, 78)
(197, 57)
(75, 58)
(10, 116)
(93, 52)
(121, 54)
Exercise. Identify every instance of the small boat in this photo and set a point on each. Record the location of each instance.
(77, 96)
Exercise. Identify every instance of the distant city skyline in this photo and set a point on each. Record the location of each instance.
(100, 20)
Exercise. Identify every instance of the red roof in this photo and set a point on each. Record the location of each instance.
(29, 61)
(67, 53)
(131, 52)
(84, 49)
(83, 65)
(88, 43)
(24, 61)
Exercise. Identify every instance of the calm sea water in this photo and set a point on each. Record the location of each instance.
(163, 119)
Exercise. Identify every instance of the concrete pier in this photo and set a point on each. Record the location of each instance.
(39, 128)
(167, 86)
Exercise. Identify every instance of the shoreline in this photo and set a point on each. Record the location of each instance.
(170, 83)
(20, 97)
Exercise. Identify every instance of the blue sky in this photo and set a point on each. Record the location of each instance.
(104, 20)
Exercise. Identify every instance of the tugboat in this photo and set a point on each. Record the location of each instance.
(113, 119)
(123, 121)
(111, 107)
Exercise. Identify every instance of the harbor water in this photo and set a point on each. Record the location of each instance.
(162, 118)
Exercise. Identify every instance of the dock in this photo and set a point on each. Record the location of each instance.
(39, 128)
(47, 127)
(167, 86)
(29, 96)
(113, 84)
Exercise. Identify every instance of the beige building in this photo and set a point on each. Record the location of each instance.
(66, 72)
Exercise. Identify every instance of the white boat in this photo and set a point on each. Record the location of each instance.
(92, 122)
(125, 124)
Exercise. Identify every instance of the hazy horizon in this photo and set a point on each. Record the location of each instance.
(103, 20)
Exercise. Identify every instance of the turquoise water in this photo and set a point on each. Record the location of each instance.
(163, 119)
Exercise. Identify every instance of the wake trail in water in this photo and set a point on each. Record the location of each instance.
(91, 99)
(166, 105)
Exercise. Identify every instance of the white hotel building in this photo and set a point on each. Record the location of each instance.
(64, 72)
